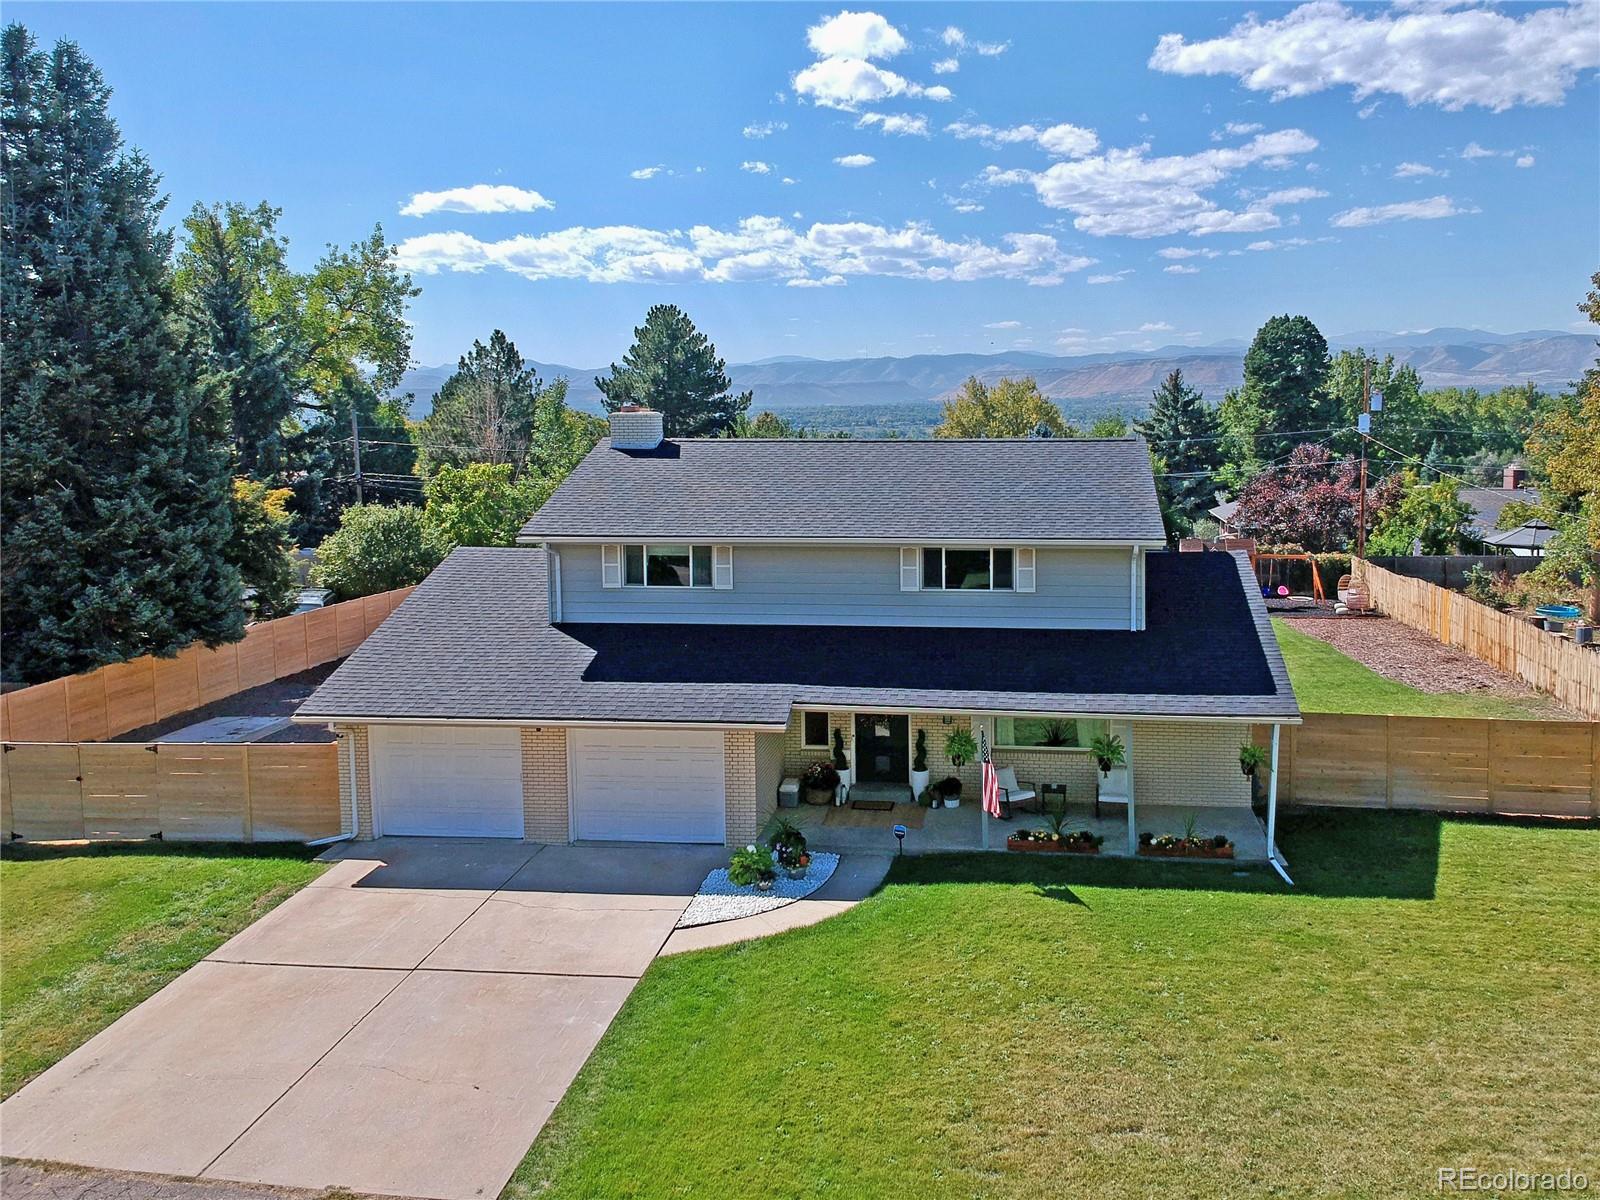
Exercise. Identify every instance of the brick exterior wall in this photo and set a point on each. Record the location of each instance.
(1175, 762)
(739, 783)
(797, 756)
(544, 784)
(1189, 762)
(363, 779)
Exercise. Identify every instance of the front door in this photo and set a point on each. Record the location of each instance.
(882, 748)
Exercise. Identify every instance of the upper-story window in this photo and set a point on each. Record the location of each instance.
(983, 570)
(666, 565)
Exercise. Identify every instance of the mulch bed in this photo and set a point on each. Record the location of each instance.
(1410, 656)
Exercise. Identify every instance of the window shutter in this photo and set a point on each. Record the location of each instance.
(1025, 574)
(910, 568)
(722, 567)
(611, 566)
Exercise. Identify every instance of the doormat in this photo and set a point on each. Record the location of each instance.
(849, 817)
(872, 805)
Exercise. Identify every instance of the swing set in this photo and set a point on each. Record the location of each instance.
(1270, 575)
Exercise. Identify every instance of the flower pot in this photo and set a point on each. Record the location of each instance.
(796, 872)
(818, 796)
(919, 782)
(763, 885)
(844, 776)
(952, 801)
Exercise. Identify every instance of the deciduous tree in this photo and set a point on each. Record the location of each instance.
(481, 504)
(378, 548)
(261, 548)
(1011, 408)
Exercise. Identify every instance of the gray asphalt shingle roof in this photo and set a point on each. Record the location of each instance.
(1025, 489)
(473, 642)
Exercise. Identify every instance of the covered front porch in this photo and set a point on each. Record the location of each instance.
(844, 830)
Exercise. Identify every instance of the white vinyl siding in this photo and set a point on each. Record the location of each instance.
(864, 585)
(446, 780)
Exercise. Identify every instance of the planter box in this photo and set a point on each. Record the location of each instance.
(1185, 852)
(1035, 846)
(817, 796)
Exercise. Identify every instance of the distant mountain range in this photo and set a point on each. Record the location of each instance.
(1096, 382)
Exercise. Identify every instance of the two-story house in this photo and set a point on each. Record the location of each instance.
(689, 621)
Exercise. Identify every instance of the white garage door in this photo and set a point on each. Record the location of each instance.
(446, 781)
(648, 785)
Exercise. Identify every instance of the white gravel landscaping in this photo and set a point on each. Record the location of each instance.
(720, 900)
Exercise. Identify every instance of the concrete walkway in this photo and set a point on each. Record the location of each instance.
(404, 1025)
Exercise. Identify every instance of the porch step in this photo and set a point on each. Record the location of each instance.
(896, 793)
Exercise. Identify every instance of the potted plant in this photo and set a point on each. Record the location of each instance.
(1251, 759)
(919, 764)
(841, 760)
(789, 844)
(752, 866)
(819, 783)
(960, 747)
(1108, 753)
(948, 790)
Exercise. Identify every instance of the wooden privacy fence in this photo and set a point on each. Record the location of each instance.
(1553, 664)
(1470, 764)
(112, 700)
(183, 791)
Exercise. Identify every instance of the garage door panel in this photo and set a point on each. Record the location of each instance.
(444, 781)
(648, 785)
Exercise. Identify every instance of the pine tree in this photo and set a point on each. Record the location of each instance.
(116, 493)
(1183, 431)
(673, 368)
(1285, 370)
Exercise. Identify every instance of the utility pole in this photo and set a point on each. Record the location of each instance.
(355, 444)
(1364, 424)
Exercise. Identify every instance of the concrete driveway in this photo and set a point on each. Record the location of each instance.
(403, 1025)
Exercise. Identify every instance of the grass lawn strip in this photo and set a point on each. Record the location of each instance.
(1327, 681)
(88, 932)
(1021, 1026)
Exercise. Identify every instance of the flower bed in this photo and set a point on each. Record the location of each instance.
(1167, 846)
(1044, 841)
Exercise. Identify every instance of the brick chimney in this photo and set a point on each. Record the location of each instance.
(634, 427)
(1516, 475)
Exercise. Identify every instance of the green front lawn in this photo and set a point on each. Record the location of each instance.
(1328, 681)
(86, 933)
(1000, 1026)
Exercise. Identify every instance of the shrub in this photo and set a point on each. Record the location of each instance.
(1480, 586)
(789, 844)
(950, 785)
(750, 865)
(919, 760)
(377, 549)
(840, 759)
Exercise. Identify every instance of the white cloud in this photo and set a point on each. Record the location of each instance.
(1416, 170)
(1293, 243)
(1179, 252)
(991, 49)
(855, 160)
(786, 179)
(1062, 141)
(758, 249)
(1473, 150)
(848, 83)
(646, 172)
(1180, 269)
(855, 35)
(1127, 193)
(904, 124)
(756, 167)
(762, 129)
(1297, 195)
(1114, 277)
(1004, 325)
(953, 37)
(962, 205)
(479, 198)
(957, 40)
(1156, 327)
(1426, 53)
(1525, 160)
(1431, 209)
(1242, 128)
(946, 66)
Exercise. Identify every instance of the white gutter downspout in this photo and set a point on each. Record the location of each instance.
(1133, 589)
(350, 746)
(1273, 856)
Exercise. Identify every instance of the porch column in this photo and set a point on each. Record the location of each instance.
(1272, 798)
(1133, 827)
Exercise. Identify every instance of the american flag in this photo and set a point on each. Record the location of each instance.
(991, 779)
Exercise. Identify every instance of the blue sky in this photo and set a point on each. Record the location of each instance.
(1059, 178)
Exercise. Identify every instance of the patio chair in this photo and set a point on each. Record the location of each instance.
(1012, 792)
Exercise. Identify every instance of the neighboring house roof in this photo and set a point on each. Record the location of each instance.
(473, 642)
(1224, 511)
(1531, 535)
(1487, 504)
(758, 489)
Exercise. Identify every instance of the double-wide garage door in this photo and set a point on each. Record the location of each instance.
(446, 780)
(647, 785)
